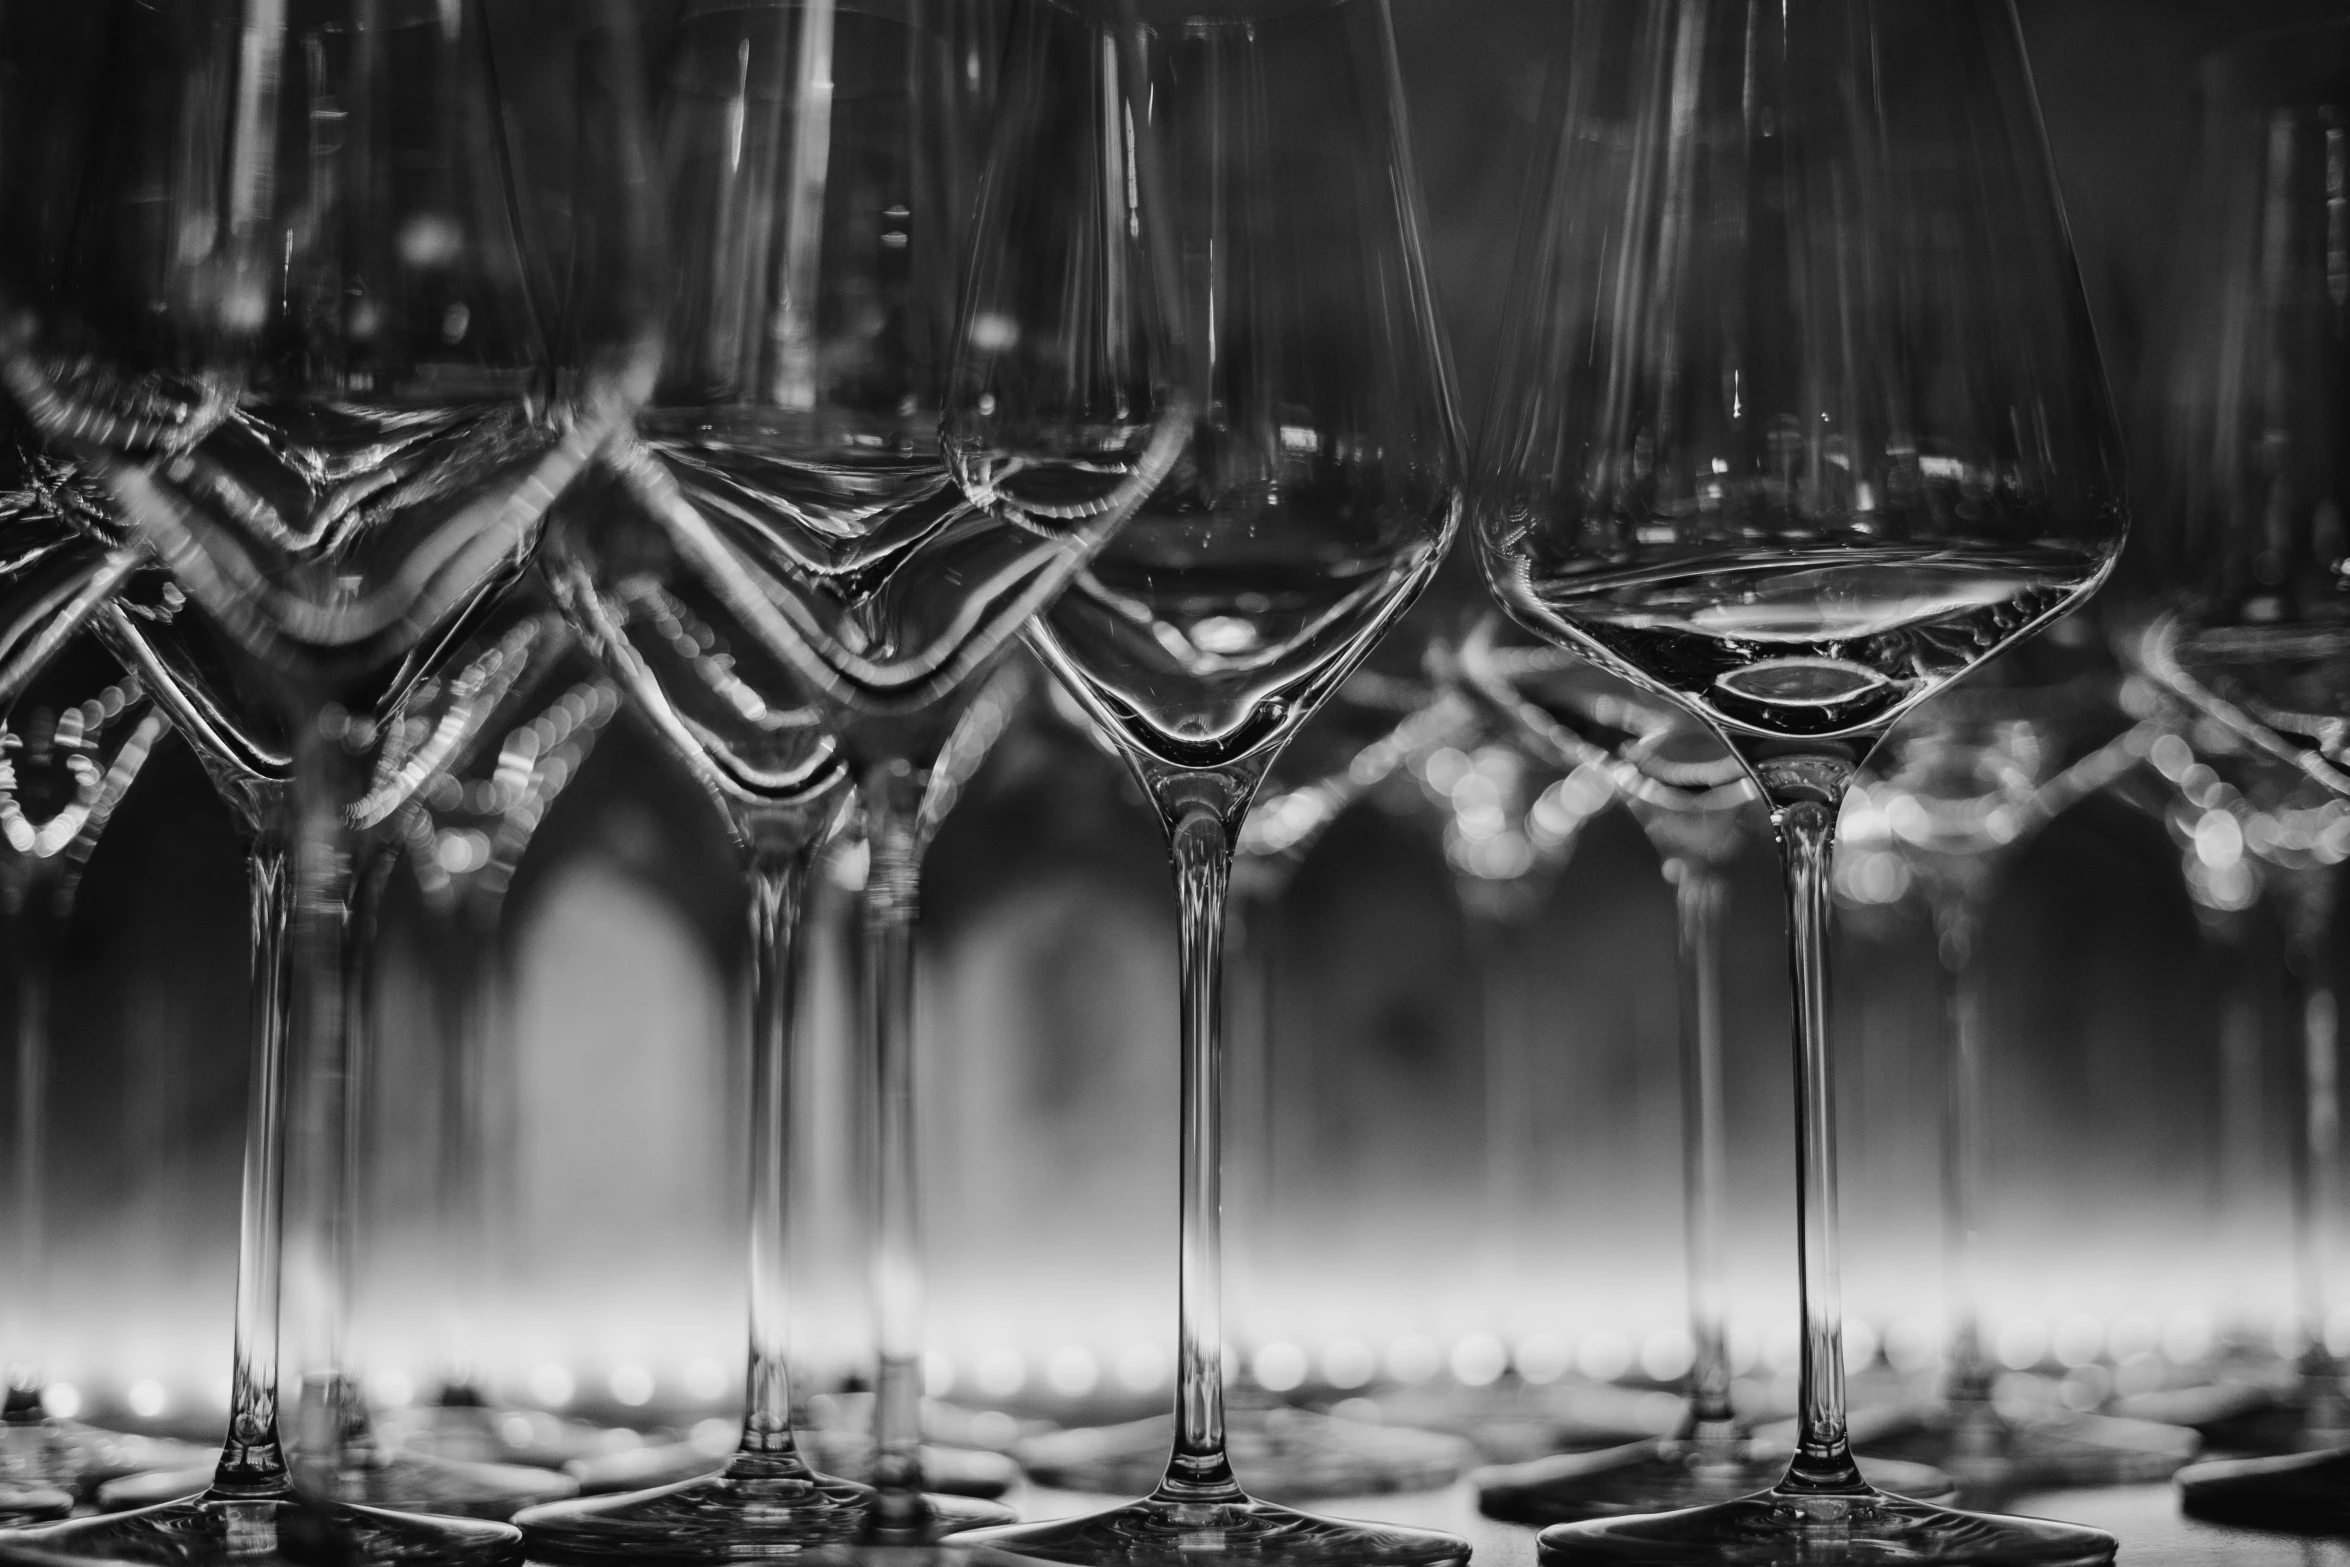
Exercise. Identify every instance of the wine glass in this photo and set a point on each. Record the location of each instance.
(1799, 419)
(2237, 601)
(75, 735)
(442, 725)
(1317, 494)
(305, 364)
(1693, 800)
(1960, 791)
(785, 497)
(462, 837)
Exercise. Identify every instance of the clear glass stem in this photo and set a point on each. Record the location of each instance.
(39, 906)
(892, 797)
(1957, 930)
(1250, 956)
(1804, 784)
(252, 1460)
(324, 1102)
(1700, 894)
(1502, 1028)
(2317, 1157)
(1199, 836)
(472, 980)
(779, 881)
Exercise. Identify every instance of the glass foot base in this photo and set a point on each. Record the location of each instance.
(1512, 1422)
(214, 1530)
(31, 1504)
(1775, 1530)
(1156, 1533)
(1289, 1455)
(65, 1455)
(406, 1482)
(1656, 1477)
(1990, 1456)
(2301, 1493)
(754, 1507)
(952, 1471)
(489, 1434)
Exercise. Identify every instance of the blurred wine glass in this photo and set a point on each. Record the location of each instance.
(788, 578)
(76, 733)
(286, 316)
(1961, 789)
(1800, 417)
(1315, 497)
(2237, 600)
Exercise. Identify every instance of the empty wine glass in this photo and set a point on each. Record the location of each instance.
(1960, 791)
(1800, 418)
(75, 735)
(786, 493)
(463, 835)
(1314, 500)
(2238, 601)
(287, 317)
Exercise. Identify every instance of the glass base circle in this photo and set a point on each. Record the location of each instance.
(1281, 1453)
(215, 1530)
(65, 1455)
(31, 1504)
(1161, 1533)
(2300, 1493)
(1991, 1456)
(401, 1481)
(492, 1434)
(949, 1471)
(754, 1507)
(1666, 1476)
(1774, 1529)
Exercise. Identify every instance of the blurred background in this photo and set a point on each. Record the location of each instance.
(1395, 1223)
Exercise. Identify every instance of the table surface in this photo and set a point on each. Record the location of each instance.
(2145, 1518)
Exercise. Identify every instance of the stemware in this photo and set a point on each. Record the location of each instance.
(1800, 418)
(786, 498)
(2238, 603)
(307, 369)
(67, 758)
(1692, 799)
(1317, 494)
(462, 837)
(1961, 790)
(77, 739)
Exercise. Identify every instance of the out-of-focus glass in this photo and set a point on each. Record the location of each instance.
(1243, 170)
(283, 309)
(2237, 588)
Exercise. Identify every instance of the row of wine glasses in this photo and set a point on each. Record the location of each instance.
(803, 413)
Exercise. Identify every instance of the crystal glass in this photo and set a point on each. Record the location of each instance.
(1959, 791)
(1314, 500)
(2237, 603)
(1693, 800)
(1800, 417)
(75, 734)
(2234, 601)
(781, 569)
(282, 309)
